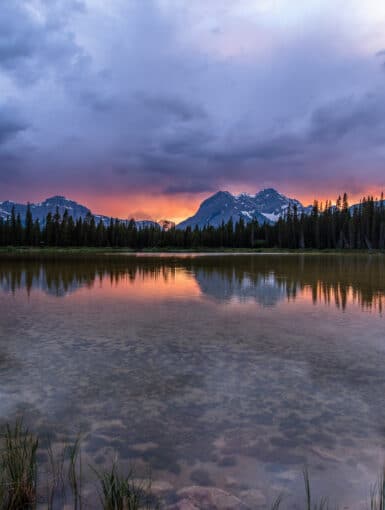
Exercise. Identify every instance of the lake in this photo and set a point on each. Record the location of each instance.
(233, 371)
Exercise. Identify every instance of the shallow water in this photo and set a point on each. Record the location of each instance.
(226, 371)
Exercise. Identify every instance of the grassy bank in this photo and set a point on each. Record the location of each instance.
(28, 484)
(15, 252)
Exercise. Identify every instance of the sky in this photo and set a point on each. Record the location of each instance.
(143, 108)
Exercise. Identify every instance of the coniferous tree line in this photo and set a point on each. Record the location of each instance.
(326, 227)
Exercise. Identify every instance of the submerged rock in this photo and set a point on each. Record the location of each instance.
(184, 504)
(253, 498)
(161, 486)
(207, 498)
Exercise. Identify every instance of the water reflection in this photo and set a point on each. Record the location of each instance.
(267, 280)
(225, 371)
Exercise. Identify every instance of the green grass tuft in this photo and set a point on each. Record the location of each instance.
(120, 492)
(18, 468)
(377, 493)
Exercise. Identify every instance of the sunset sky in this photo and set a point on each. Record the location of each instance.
(145, 107)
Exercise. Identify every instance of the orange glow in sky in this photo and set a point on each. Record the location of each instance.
(178, 207)
(144, 206)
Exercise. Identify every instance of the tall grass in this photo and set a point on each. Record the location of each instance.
(75, 474)
(18, 469)
(277, 503)
(310, 505)
(120, 492)
(24, 485)
(377, 493)
(61, 478)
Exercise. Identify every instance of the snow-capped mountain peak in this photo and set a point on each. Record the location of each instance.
(266, 206)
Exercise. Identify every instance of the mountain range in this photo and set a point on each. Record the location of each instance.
(40, 210)
(266, 206)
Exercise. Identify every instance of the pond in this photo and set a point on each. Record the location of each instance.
(227, 371)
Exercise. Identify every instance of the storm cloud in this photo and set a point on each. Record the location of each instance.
(178, 98)
(9, 127)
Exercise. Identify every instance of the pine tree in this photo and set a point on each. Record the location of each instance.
(19, 231)
(28, 227)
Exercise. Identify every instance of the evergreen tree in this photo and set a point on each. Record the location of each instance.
(28, 237)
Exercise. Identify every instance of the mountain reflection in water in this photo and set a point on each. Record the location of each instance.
(267, 280)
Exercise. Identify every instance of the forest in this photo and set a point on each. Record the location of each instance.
(327, 226)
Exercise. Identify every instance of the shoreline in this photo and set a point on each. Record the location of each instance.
(16, 252)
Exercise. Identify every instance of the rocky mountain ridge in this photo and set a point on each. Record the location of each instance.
(266, 206)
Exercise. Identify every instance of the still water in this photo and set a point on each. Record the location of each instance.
(233, 371)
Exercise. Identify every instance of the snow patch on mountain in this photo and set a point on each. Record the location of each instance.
(266, 206)
(273, 217)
